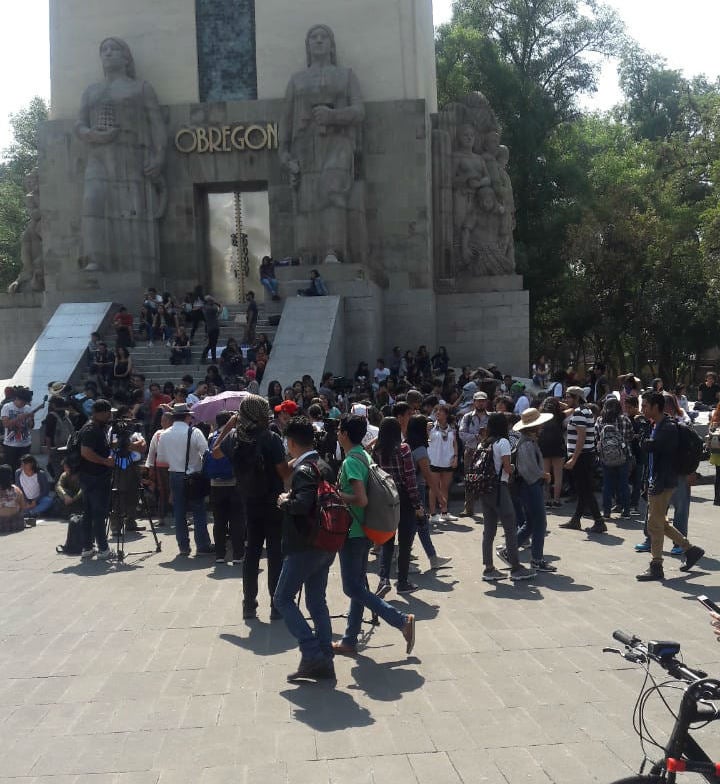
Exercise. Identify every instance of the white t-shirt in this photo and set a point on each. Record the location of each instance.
(441, 450)
(22, 435)
(500, 449)
(381, 374)
(30, 486)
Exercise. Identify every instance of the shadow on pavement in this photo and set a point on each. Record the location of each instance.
(264, 639)
(183, 563)
(325, 709)
(386, 681)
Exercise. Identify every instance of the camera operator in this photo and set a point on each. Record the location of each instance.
(96, 466)
(128, 445)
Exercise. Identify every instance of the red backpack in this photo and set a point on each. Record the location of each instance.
(330, 519)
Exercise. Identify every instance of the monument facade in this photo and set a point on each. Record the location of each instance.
(335, 120)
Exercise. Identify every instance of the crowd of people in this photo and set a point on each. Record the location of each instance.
(430, 427)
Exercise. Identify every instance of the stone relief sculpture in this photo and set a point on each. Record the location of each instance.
(473, 201)
(322, 141)
(31, 277)
(124, 195)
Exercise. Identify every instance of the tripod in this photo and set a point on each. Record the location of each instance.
(117, 513)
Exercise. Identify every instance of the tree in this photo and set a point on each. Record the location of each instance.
(19, 159)
(530, 58)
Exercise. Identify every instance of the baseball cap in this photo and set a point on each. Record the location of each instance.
(287, 407)
(480, 396)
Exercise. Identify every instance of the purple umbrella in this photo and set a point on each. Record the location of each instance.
(208, 408)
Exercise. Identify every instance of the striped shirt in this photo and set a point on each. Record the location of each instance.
(581, 418)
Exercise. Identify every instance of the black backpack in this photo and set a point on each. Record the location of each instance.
(249, 466)
(74, 539)
(689, 452)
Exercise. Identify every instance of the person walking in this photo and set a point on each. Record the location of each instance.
(614, 438)
(472, 432)
(305, 566)
(662, 447)
(182, 447)
(352, 484)
(532, 478)
(581, 460)
(395, 457)
(714, 446)
(211, 312)
(498, 506)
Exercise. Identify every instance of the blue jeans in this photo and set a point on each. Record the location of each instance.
(271, 285)
(202, 539)
(615, 484)
(41, 506)
(96, 507)
(681, 502)
(423, 534)
(309, 569)
(353, 570)
(533, 498)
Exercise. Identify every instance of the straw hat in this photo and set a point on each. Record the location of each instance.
(531, 417)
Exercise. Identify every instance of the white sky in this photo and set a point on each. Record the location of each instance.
(677, 31)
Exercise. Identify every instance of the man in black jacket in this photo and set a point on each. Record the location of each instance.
(662, 481)
(304, 565)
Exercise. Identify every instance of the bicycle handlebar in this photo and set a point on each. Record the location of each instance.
(626, 639)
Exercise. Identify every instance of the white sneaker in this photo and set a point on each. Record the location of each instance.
(436, 518)
(104, 555)
(86, 554)
(448, 518)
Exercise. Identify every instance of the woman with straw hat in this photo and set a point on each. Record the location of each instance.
(532, 478)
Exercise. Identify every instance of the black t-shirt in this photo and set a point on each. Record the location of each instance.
(96, 437)
(270, 448)
(708, 395)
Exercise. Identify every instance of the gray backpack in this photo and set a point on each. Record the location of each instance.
(382, 513)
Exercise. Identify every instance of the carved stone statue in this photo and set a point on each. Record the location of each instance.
(31, 276)
(124, 197)
(474, 210)
(322, 141)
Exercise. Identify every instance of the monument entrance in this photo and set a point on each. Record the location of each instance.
(236, 227)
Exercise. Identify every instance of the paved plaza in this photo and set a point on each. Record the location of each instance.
(145, 672)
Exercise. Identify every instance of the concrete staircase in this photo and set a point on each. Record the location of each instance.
(309, 340)
(154, 361)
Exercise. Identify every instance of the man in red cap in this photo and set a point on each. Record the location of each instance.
(284, 413)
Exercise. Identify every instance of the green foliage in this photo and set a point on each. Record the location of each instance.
(18, 160)
(618, 230)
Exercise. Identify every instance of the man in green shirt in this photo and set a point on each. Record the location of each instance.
(352, 483)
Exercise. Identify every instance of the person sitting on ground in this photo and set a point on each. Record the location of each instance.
(123, 323)
(231, 359)
(122, 370)
(440, 361)
(11, 502)
(35, 485)
(213, 377)
(180, 352)
(69, 499)
(317, 287)
(708, 393)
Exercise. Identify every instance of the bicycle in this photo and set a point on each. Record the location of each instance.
(682, 754)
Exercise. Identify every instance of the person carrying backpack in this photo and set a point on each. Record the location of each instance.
(614, 439)
(260, 467)
(662, 447)
(225, 500)
(304, 565)
(352, 482)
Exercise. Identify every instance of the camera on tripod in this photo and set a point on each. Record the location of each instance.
(123, 432)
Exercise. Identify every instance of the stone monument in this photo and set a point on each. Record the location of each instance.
(31, 275)
(121, 125)
(321, 147)
(473, 199)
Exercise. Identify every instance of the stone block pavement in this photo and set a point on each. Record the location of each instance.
(145, 673)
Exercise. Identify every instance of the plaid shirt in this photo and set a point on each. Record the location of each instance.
(402, 469)
(624, 425)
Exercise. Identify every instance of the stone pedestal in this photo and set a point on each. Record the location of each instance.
(484, 327)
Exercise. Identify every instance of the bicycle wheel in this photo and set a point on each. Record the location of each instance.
(647, 779)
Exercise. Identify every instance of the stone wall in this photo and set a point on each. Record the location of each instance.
(479, 328)
(22, 319)
(389, 43)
